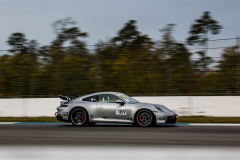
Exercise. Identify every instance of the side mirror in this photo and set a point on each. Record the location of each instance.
(120, 102)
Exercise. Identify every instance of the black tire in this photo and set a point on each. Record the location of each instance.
(79, 117)
(144, 118)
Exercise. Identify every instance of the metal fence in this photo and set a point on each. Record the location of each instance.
(149, 70)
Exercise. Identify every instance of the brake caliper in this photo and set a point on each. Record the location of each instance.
(83, 118)
(139, 117)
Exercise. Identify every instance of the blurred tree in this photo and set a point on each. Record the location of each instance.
(18, 43)
(129, 38)
(15, 73)
(200, 29)
(175, 63)
(64, 47)
(122, 61)
(199, 35)
(182, 71)
(165, 50)
(167, 37)
(23, 50)
(227, 70)
(130, 62)
(66, 31)
(32, 47)
(201, 65)
(33, 51)
(5, 75)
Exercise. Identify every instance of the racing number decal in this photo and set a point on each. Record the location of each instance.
(121, 111)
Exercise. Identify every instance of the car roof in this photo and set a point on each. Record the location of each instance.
(115, 93)
(107, 92)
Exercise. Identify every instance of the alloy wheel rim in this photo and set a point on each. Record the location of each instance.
(79, 117)
(144, 118)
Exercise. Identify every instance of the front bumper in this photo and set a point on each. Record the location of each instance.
(171, 119)
(165, 118)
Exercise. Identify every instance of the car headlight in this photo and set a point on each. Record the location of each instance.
(158, 108)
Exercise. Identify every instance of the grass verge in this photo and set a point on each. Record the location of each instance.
(181, 119)
(202, 119)
(28, 119)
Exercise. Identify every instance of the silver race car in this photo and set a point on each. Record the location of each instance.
(112, 107)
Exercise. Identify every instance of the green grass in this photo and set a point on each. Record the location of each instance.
(28, 119)
(202, 119)
(181, 119)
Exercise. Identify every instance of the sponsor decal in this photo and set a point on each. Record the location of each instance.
(160, 120)
(64, 113)
(121, 110)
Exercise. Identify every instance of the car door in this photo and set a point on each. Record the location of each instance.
(109, 109)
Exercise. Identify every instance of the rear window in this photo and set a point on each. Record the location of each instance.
(108, 98)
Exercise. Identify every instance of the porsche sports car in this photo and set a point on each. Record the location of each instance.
(112, 107)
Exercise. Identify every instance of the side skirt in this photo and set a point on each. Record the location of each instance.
(112, 119)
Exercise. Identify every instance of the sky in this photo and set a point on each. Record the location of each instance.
(102, 19)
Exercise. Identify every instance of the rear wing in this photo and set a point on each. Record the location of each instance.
(68, 97)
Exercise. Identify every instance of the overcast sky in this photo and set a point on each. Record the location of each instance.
(103, 18)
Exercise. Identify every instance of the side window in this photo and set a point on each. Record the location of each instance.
(107, 98)
(91, 99)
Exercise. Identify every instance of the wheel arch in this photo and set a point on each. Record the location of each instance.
(134, 117)
(76, 107)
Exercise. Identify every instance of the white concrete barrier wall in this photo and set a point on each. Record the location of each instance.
(30, 107)
(215, 106)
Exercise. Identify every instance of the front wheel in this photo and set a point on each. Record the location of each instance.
(79, 117)
(144, 118)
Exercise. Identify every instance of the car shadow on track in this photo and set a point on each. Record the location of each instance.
(119, 126)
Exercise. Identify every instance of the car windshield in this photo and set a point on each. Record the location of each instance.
(127, 98)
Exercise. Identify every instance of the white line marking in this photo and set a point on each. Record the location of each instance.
(8, 122)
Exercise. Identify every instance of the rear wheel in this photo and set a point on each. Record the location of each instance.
(79, 117)
(144, 118)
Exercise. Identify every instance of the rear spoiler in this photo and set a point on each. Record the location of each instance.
(68, 97)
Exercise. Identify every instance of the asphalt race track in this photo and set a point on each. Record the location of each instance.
(119, 135)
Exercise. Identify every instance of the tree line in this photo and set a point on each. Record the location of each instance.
(130, 62)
